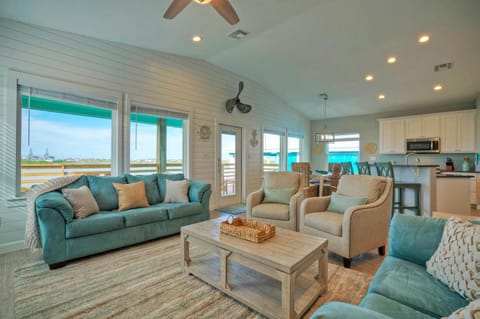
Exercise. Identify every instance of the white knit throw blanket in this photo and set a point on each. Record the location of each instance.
(32, 238)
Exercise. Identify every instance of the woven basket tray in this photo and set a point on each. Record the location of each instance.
(249, 229)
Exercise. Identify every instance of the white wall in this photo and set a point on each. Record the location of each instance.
(166, 80)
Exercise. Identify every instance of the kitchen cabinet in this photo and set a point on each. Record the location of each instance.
(422, 126)
(457, 132)
(392, 136)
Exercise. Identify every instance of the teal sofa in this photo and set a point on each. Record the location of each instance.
(65, 238)
(402, 288)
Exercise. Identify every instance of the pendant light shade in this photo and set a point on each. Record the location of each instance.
(325, 136)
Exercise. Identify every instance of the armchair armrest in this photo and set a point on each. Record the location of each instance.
(315, 204)
(340, 310)
(253, 199)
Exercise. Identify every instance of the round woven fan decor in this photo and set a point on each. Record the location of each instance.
(370, 148)
(318, 149)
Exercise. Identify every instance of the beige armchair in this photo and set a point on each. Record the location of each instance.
(278, 199)
(360, 228)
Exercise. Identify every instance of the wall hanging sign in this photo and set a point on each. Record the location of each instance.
(204, 132)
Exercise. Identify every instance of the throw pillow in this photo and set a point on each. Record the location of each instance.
(162, 185)
(472, 311)
(340, 203)
(82, 201)
(176, 191)
(278, 195)
(454, 262)
(131, 195)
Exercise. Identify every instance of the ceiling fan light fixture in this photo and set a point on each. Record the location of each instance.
(325, 136)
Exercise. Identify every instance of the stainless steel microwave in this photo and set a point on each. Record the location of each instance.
(423, 145)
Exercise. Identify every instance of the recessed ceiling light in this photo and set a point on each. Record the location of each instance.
(369, 77)
(203, 1)
(391, 59)
(438, 87)
(381, 96)
(423, 38)
(196, 38)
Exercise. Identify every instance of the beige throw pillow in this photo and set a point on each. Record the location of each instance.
(131, 195)
(82, 201)
(454, 262)
(472, 311)
(177, 191)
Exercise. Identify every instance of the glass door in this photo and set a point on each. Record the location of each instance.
(230, 165)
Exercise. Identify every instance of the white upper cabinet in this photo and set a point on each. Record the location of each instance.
(422, 126)
(456, 131)
(392, 136)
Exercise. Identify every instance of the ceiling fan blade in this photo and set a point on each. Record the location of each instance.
(175, 7)
(225, 9)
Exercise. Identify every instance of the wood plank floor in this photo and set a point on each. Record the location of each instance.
(367, 263)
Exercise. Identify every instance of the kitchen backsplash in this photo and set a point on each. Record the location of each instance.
(434, 159)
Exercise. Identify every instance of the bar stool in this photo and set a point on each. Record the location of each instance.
(363, 168)
(386, 169)
(347, 168)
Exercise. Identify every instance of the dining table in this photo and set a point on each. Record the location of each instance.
(321, 178)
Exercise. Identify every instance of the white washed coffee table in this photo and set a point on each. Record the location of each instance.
(280, 277)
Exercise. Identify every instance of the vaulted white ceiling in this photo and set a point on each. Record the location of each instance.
(300, 48)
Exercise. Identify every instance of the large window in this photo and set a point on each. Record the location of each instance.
(156, 140)
(294, 146)
(272, 150)
(346, 148)
(63, 134)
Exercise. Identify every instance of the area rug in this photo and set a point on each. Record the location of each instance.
(144, 281)
(233, 209)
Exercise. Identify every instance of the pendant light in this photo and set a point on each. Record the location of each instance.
(325, 136)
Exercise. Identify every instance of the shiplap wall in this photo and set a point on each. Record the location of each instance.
(170, 81)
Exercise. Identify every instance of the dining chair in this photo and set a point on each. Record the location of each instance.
(363, 168)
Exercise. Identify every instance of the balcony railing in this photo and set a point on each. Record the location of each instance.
(40, 173)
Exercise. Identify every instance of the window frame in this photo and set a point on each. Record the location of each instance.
(301, 144)
(283, 137)
(347, 139)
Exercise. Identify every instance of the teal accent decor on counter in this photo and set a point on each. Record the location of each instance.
(465, 165)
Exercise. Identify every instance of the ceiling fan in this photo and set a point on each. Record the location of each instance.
(223, 7)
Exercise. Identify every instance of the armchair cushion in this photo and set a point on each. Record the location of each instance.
(362, 186)
(328, 222)
(339, 203)
(271, 211)
(279, 195)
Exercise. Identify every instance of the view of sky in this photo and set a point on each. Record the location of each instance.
(80, 137)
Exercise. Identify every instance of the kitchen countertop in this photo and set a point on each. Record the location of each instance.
(415, 165)
(453, 176)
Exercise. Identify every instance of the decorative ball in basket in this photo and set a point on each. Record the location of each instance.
(249, 229)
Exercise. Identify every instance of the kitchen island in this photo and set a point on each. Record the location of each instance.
(424, 174)
(454, 193)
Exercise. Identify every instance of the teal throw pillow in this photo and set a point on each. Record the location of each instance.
(278, 195)
(340, 203)
(82, 181)
(103, 190)
(151, 186)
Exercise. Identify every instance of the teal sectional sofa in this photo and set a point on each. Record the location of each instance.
(65, 238)
(402, 288)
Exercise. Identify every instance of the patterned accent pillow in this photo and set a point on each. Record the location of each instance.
(472, 311)
(456, 261)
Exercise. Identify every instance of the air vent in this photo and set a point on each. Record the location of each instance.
(443, 66)
(238, 34)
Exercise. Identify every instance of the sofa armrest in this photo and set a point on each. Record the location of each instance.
(415, 238)
(253, 199)
(51, 226)
(55, 201)
(196, 190)
(340, 310)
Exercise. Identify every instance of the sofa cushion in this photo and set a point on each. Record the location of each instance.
(340, 310)
(146, 215)
(328, 222)
(472, 311)
(454, 262)
(411, 285)
(278, 195)
(362, 186)
(104, 221)
(81, 200)
(82, 181)
(176, 191)
(271, 211)
(339, 203)
(180, 210)
(151, 186)
(161, 181)
(391, 308)
(131, 195)
(103, 190)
